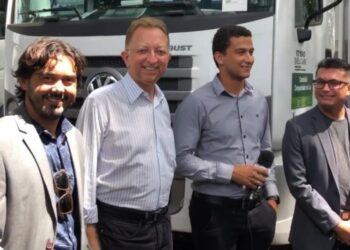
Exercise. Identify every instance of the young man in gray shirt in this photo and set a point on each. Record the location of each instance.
(220, 130)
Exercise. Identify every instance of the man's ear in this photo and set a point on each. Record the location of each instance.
(23, 84)
(218, 56)
(169, 57)
(125, 56)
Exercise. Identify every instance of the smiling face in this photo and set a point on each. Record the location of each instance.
(147, 56)
(332, 100)
(51, 90)
(237, 61)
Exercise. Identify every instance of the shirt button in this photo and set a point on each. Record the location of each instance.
(244, 136)
(246, 156)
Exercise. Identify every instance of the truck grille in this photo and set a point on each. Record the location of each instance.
(176, 83)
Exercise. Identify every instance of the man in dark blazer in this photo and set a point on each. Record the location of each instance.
(41, 154)
(317, 164)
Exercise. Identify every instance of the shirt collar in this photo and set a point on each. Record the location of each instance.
(219, 88)
(134, 91)
(63, 127)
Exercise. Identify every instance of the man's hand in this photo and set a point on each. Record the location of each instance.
(91, 233)
(273, 204)
(250, 176)
(343, 232)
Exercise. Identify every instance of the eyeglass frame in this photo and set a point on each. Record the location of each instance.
(333, 84)
(66, 195)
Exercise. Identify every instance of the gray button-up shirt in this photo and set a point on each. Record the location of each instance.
(214, 130)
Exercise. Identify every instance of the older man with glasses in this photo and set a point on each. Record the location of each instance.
(316, 157)
(41, 153)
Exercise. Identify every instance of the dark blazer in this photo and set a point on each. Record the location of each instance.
(312, 177)
(28, 215)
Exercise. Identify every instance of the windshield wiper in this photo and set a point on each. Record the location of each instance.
(55, 9)
(176, 8)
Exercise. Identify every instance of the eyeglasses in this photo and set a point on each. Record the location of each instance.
(64, 193)
(160, 52)
(332, 84)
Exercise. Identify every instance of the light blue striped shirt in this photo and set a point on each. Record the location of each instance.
(130, 151)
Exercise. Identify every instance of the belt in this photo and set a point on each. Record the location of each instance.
(131, 214)
(245, 203)
(344, 215)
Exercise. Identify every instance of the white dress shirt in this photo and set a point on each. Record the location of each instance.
(130, 151)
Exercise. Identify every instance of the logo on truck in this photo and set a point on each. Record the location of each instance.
(180, 47)
(102, 78)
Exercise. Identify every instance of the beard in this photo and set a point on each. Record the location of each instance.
(48, 111)
(51, 113)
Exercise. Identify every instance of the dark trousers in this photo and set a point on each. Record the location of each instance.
(340, 246)
(128, 233)
(217, 226)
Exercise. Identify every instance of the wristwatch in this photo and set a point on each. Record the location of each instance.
(275, 198)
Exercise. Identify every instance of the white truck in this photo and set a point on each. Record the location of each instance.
(290, 37)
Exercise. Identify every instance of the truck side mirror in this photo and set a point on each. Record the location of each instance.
(305, 34)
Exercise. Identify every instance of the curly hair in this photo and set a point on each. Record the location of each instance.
(37, 55)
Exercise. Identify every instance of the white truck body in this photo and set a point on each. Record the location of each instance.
(283, 68)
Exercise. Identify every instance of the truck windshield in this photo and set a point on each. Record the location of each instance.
(76, 10)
